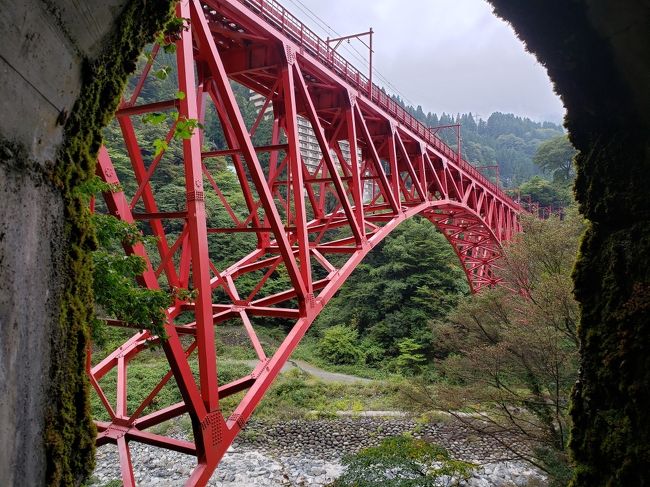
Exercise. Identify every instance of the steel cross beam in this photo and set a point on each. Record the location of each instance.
(299, 214)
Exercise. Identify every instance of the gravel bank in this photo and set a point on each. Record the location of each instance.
(308, 453)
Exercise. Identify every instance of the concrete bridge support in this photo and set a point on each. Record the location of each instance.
(52, 53)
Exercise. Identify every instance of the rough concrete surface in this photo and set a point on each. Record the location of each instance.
(41, 53)
(30, 227)
(44, 45)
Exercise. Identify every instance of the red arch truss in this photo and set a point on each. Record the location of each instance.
(377, 167)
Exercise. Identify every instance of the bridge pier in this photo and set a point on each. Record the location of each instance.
(53, 58)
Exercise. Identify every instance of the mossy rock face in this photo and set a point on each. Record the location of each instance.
(70, 433)
(608, 123)
(612, 398)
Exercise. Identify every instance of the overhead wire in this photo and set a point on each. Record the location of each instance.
(353, 51)
(348, 47)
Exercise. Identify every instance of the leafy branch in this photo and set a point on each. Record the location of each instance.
(183, 130)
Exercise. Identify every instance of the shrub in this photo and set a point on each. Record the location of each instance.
(296, 391)
(403, 461)
(409, 361)
(339, 346)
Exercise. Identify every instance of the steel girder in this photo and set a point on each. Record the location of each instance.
(395, 169)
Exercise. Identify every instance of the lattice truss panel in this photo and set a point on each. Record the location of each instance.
(313, 225)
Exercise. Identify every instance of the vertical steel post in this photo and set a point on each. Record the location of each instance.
(295, 174)
(370, 65)
(357, 182)
(196, 217)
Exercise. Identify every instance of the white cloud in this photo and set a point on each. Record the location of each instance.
(446, 55)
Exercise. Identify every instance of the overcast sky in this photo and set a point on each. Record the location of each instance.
(446, 55)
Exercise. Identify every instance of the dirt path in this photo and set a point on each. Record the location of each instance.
(324, 375)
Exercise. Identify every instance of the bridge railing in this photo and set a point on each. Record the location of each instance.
(283, 20)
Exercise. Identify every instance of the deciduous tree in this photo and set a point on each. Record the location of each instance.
(514, 357)
(555, 156)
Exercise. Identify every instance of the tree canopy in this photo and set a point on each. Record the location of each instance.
(545, 192)
(504, 139)
(408, 279)
(555, 157)
(402, 461)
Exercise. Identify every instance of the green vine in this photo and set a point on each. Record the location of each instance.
(117, 294)
(70, 434)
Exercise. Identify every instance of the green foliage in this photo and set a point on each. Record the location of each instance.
(309, 351)
(402, 461)
(545, 193)
(557, 465)
(69, 431)
(503, 139)
(555, 157)
(92, 187)
(296, 391)
(339, 345)
(146, 372)
(154, 118)
(513, 356)
(119, 297)
(111, 483)
(413, 276)
(409, 360)
(160, 146)
(296, 394)
(185, 127)
(117, 294)
(609, 441)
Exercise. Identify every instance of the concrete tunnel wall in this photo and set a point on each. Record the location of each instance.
(44, 48)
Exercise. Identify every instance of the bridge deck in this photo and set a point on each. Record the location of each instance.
(278, 18)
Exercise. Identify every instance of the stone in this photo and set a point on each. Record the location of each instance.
(269, 464)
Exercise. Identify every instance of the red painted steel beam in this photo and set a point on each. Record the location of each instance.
(396, 169)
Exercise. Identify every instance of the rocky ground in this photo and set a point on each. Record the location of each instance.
(243, 467)
(332, 438)
(308, 453)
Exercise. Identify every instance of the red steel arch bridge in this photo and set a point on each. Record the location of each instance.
(314, 223)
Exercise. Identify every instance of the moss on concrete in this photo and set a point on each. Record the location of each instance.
(609, 124)
(70, 433)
